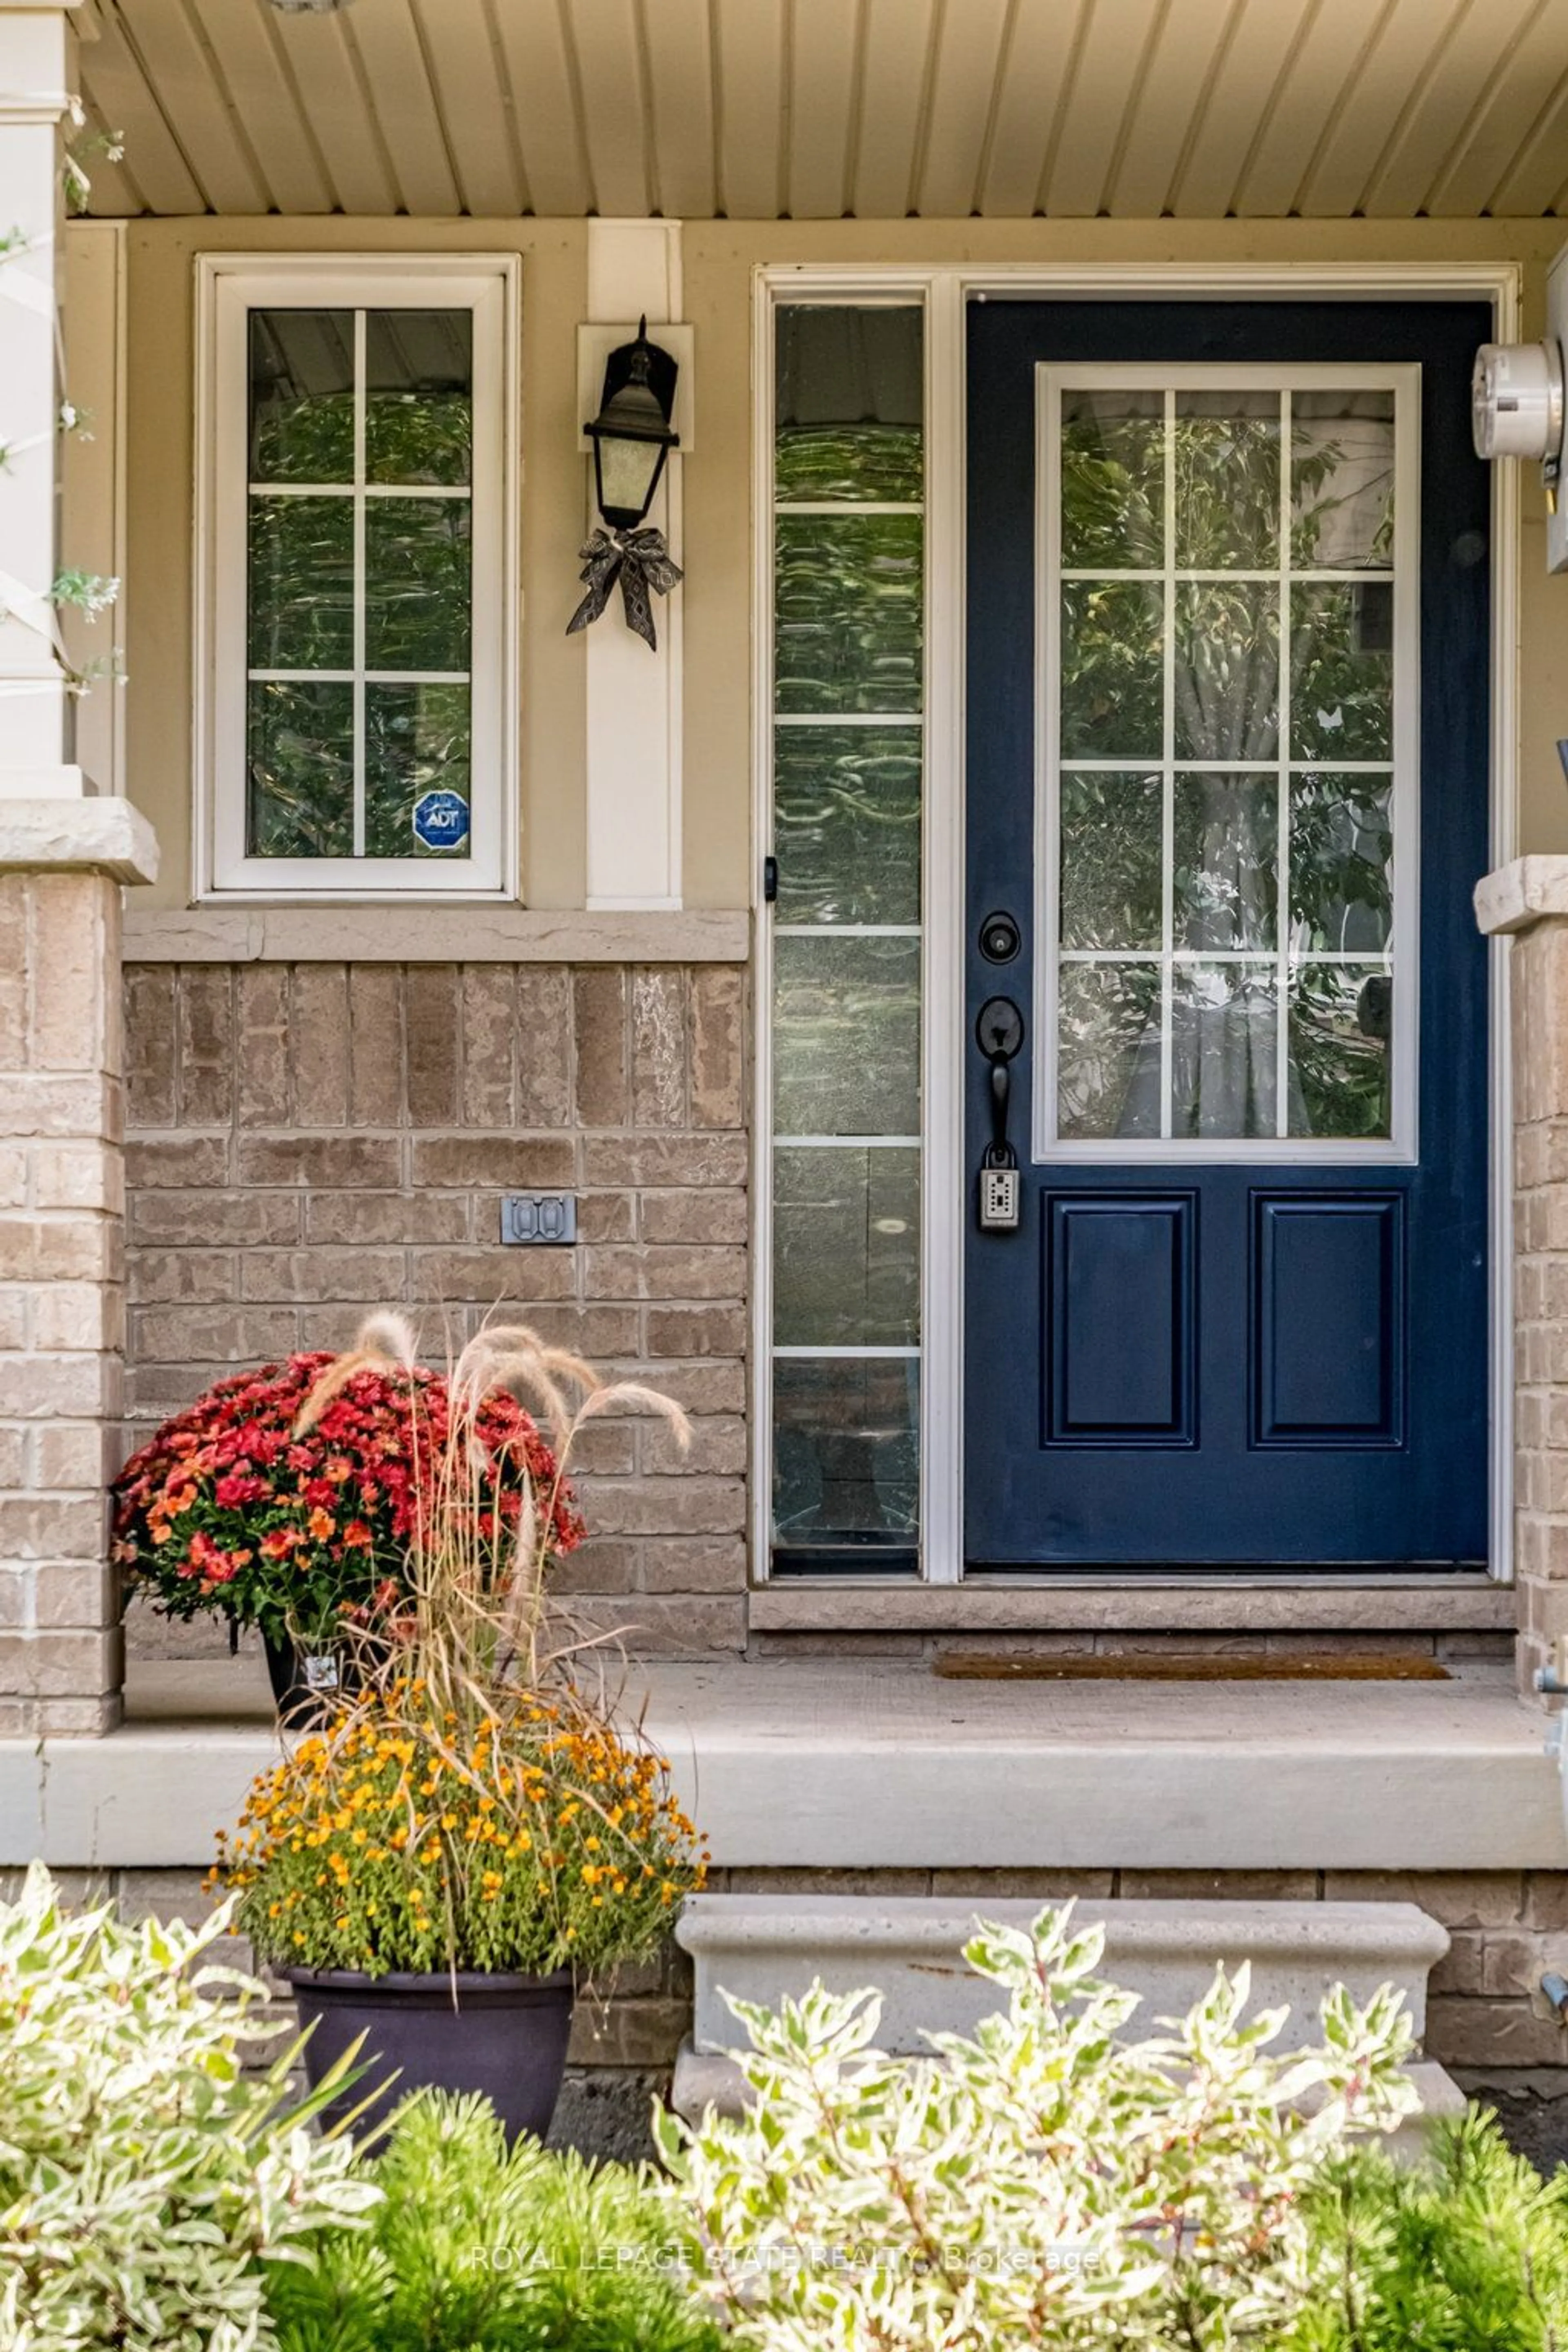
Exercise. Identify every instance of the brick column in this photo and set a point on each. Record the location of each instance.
(64, 856)
(62, 1309)
(1528, 903)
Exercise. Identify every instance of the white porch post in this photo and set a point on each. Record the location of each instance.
(634, 695)
(63, 855)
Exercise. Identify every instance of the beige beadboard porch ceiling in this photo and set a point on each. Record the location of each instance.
(817, 108)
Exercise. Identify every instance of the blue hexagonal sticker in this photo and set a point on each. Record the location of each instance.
(441, 820)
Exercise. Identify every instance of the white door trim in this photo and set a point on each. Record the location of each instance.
(945, 292)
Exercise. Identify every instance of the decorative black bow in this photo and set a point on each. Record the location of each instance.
(641, 561)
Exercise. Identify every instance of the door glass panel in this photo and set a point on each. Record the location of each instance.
(1109, 1050)
(846, 823)
(1226, 674)
(847, 1455)
(1223, 1050)
(1225, 861)
(1342, 480)
(848, 596)
(1221, 760)
(847, 1246)
(847, 1035)
(1226, 459)
(845, 933)
(1341, 1049)
(1342, 670)
(1113, 481)
(847, 397)
(1112, 678)
(1112, 874)
(1341, 861)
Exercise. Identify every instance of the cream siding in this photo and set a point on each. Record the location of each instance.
(720, 259)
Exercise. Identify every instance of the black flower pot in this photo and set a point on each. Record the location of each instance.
(503, 2035)
(301, 1702)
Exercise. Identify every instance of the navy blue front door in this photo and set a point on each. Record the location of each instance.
(1226, 776)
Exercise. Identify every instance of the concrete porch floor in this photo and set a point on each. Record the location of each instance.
(831, 1764)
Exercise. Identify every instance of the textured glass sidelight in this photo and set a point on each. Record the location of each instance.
(848, 665)
(359, 589)
(1221, 700)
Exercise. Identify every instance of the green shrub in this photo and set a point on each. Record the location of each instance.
(477, 2248)
(143, 2174)
(1048, 2186)
(1469, 2250)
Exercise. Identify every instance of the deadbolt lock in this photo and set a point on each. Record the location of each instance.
(1000, 937)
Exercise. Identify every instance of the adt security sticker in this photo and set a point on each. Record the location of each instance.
(441, 820)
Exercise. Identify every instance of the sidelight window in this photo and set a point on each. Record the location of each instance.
(1228, 611)
(847, 768)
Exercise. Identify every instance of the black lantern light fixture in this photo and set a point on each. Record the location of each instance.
(632, 437)
(631, 434)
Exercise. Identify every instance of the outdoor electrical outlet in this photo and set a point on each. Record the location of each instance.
(538, 1217)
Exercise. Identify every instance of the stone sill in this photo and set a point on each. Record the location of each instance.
(829, 1765)
(1218, 1605)
(357, 933)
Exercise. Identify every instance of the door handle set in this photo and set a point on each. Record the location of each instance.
(999, 1034)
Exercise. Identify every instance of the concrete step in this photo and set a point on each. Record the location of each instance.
(766, 1948)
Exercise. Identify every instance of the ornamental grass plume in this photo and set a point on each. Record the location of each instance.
(469, 1802)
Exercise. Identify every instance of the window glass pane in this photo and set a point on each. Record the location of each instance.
(846, 823)
(1342, 480)
(847, 1247)
(1113, 481)
(1107, 1050)
(419, 395)
(1112, 859)
(1113, 669)
(416, 559)
(1226, 670)
(299, 762)
(849, 393)
(302, 396)
(845, 1451)
(416, 745)
(847, 1035)
(1341, 1050)
(1227, 481)
(1225, 863)
(1342, 861)
(849, 645)
(1342, 670)
(848, 592)
(1224, 1077)
(301, 587)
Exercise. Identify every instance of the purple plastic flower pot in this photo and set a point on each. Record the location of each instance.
(504, 2035)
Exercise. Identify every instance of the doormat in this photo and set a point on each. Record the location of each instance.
(1195, 1666)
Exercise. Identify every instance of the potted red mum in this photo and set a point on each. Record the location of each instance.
(288, 1498)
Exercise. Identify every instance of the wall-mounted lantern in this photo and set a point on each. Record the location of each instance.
(631, 434)
(631, 437)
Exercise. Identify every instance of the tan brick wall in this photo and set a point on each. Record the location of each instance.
(1539, 1011)
(307, 1141)
(61, 1298)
